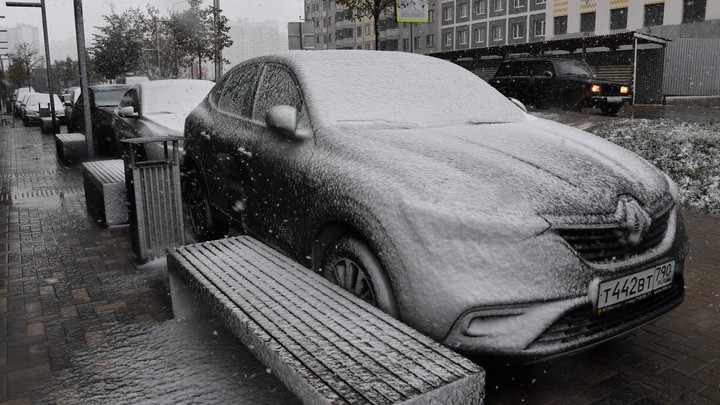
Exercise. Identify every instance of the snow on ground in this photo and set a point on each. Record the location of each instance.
(184, 361)
(689, 152)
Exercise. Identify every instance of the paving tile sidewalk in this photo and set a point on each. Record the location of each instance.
(63, 278)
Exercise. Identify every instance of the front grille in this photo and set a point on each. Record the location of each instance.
(581, 324)
(609, 242)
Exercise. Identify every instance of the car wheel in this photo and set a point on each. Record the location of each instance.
(352, 265)
(611, 109)
(202, 223)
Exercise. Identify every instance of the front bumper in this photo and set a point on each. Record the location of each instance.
(604, 100)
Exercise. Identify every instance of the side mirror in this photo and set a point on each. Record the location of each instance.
(548, 74)
(128, 112)
(283, 120)
(518, 103)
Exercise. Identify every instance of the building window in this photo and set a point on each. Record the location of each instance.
(560, 25)
(368, 47)
(498, 5)
(587, 22)
(431, 16)
(359, 32)
(406, 44)
(618, 18)
(462, 37)
(430, 41)
(462, 10)
(654, 14)
(539, 28)
(693, 11)
(480, 7)
(539, 2)
(479, 35)
(497, 32)
(448, 14)
(518, 4)
(518, 30)
(416, 43)
(447, 39)
(367, 29)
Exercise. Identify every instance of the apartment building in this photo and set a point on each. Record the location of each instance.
(467, 24)
(334, 30)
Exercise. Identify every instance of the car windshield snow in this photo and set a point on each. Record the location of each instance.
(408, 94)
(573, 68)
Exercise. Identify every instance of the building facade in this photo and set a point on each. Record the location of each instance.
(24, 33)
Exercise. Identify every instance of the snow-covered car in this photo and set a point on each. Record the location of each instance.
(415, 185)
(17, 98)
(156, 108)
(33, 104)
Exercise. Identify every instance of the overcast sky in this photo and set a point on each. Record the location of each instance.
(61, 22)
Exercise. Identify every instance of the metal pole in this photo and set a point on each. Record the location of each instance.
(218, 51)
(80, 39)
(49, 68)
(412, 39)
(157, 46)
(634, 82)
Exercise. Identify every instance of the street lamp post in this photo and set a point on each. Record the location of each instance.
(47, 53)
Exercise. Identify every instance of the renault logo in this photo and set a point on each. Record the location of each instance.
(633, 219)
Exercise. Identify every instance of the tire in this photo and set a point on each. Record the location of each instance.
(203, 224)
(610, 109)
(350, 264)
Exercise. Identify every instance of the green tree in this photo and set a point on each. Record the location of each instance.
(197, 35)
(23, 61)
(66, 73)
(118, 48)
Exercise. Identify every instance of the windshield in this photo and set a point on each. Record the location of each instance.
(108, 98)
(407, 94)
(573, 68)
(174, 97)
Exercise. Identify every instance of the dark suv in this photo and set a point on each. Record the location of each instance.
(566, 83)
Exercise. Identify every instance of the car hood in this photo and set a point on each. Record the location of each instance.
(166, 123)
(534, 167)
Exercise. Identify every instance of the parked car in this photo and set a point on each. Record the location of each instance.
(18, 95)
(33, 105)
(69, 96)
(437, 199)
(103, 100)
(156, 108)
(566, 83)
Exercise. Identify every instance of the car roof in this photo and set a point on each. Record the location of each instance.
(157, 84)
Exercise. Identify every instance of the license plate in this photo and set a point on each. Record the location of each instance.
(614, 100)
(613, 293)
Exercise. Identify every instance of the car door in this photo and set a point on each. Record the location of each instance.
(545, 92)
(223, 133)
(280, 163)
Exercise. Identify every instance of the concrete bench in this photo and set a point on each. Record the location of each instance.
(105, 192)
(71, 148)
(325, 345)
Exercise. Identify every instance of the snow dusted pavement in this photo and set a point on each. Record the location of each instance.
(81, 323)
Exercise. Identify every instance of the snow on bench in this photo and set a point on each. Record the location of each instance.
(105, 192)
(70, 148)
(324, 344)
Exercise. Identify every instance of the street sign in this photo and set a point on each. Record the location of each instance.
(412, 11)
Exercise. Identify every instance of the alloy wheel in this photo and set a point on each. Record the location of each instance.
(351, 277)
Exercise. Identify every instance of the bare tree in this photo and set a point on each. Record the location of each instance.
(359, 9)
(23, 60)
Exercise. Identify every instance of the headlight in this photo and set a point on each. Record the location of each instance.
(624, 90)
(595, 88)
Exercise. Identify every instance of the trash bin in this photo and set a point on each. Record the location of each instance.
(154, 200)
